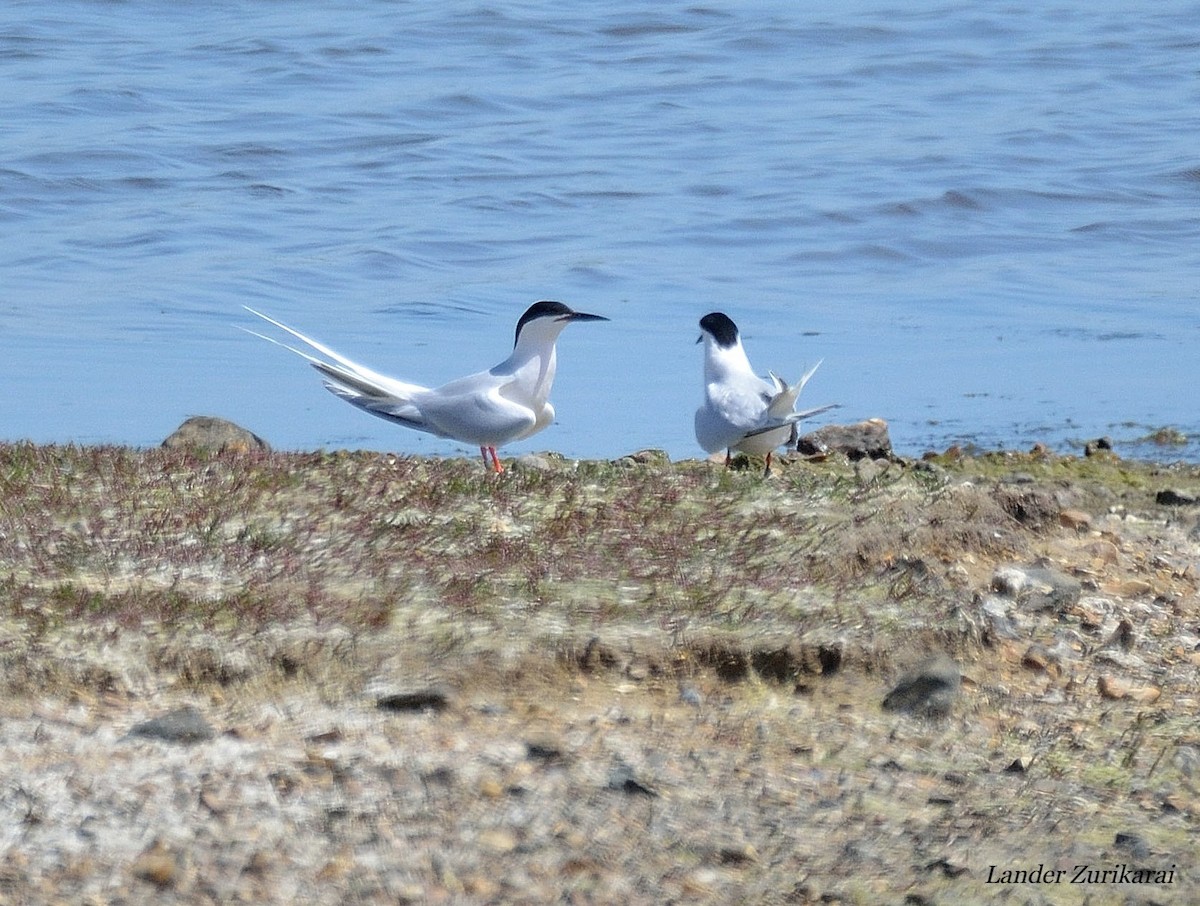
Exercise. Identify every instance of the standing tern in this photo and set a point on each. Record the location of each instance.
(489, 409)
(741, 410)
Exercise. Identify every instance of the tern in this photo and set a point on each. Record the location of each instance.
(741, 410)
(488, 409)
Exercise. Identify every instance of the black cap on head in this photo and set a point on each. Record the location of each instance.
(550, 309)
(723, 330)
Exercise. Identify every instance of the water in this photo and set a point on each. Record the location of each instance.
(983, 217)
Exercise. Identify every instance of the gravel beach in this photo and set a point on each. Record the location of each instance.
(255, 677)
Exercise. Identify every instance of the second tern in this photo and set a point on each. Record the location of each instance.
(741, 410)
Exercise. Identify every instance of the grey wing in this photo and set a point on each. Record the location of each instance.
(476, 414)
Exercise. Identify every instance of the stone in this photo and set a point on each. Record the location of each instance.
(429, 698)
(1075, 520)
(158, 865)
(204, 432)
(1037, 657)
(650, 457)
(1033, 507)
(1099, 446)
(928, 689)
(1175, 497)
(498, 840)
(1115, 689)
(866, 439)
(997, 619)
(544, 749)
(1134, 844)
(1018, 765)
(184, 725)
(1037, 588)
(623, 778)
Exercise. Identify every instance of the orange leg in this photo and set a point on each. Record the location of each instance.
(484, 451)
(728, 458)
(767, 471)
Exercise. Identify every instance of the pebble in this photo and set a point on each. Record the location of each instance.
(1173, 497)
(929, 689)
(1037, 588)
(1133, 844)
(1115, 689)
(158, 865)
(431, 698)
(1076, 520)
(183, 725)
(622, 777)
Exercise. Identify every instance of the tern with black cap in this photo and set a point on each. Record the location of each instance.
(741, 410)
(489, 409)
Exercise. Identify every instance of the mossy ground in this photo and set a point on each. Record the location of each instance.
(723, 639)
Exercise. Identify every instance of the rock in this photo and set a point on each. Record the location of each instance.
(185, 725)
(545, 750)
(1075, 520)
(1101, 445)
(203, 432)
(158, 865)
(929, 689)
(690, 695)
(1037, 657)
(1115, 689)
(1037, 588)
(1018, 765)
(534, 462)
(998, 621)
(651, 457)
(1035, 508)
(1123, 636)
(430, 698)
(1134, 844)
(737, 854)
(1136, 587)
(866, 439)
(623, 778)
(1173, 497)
(497, 840)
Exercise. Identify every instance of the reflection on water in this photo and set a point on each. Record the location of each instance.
(983, 220)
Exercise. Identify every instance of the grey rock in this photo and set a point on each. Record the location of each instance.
(997, 619)
(205, 432)
(928, 689)
(690, 695)
(866, 439)
(184, 725)
(1037, 588)
(647, 457)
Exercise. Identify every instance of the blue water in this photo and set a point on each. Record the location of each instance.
(984, 218)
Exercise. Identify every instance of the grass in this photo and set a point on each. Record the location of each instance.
(574, 601)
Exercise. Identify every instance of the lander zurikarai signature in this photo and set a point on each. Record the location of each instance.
(1117, 873)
